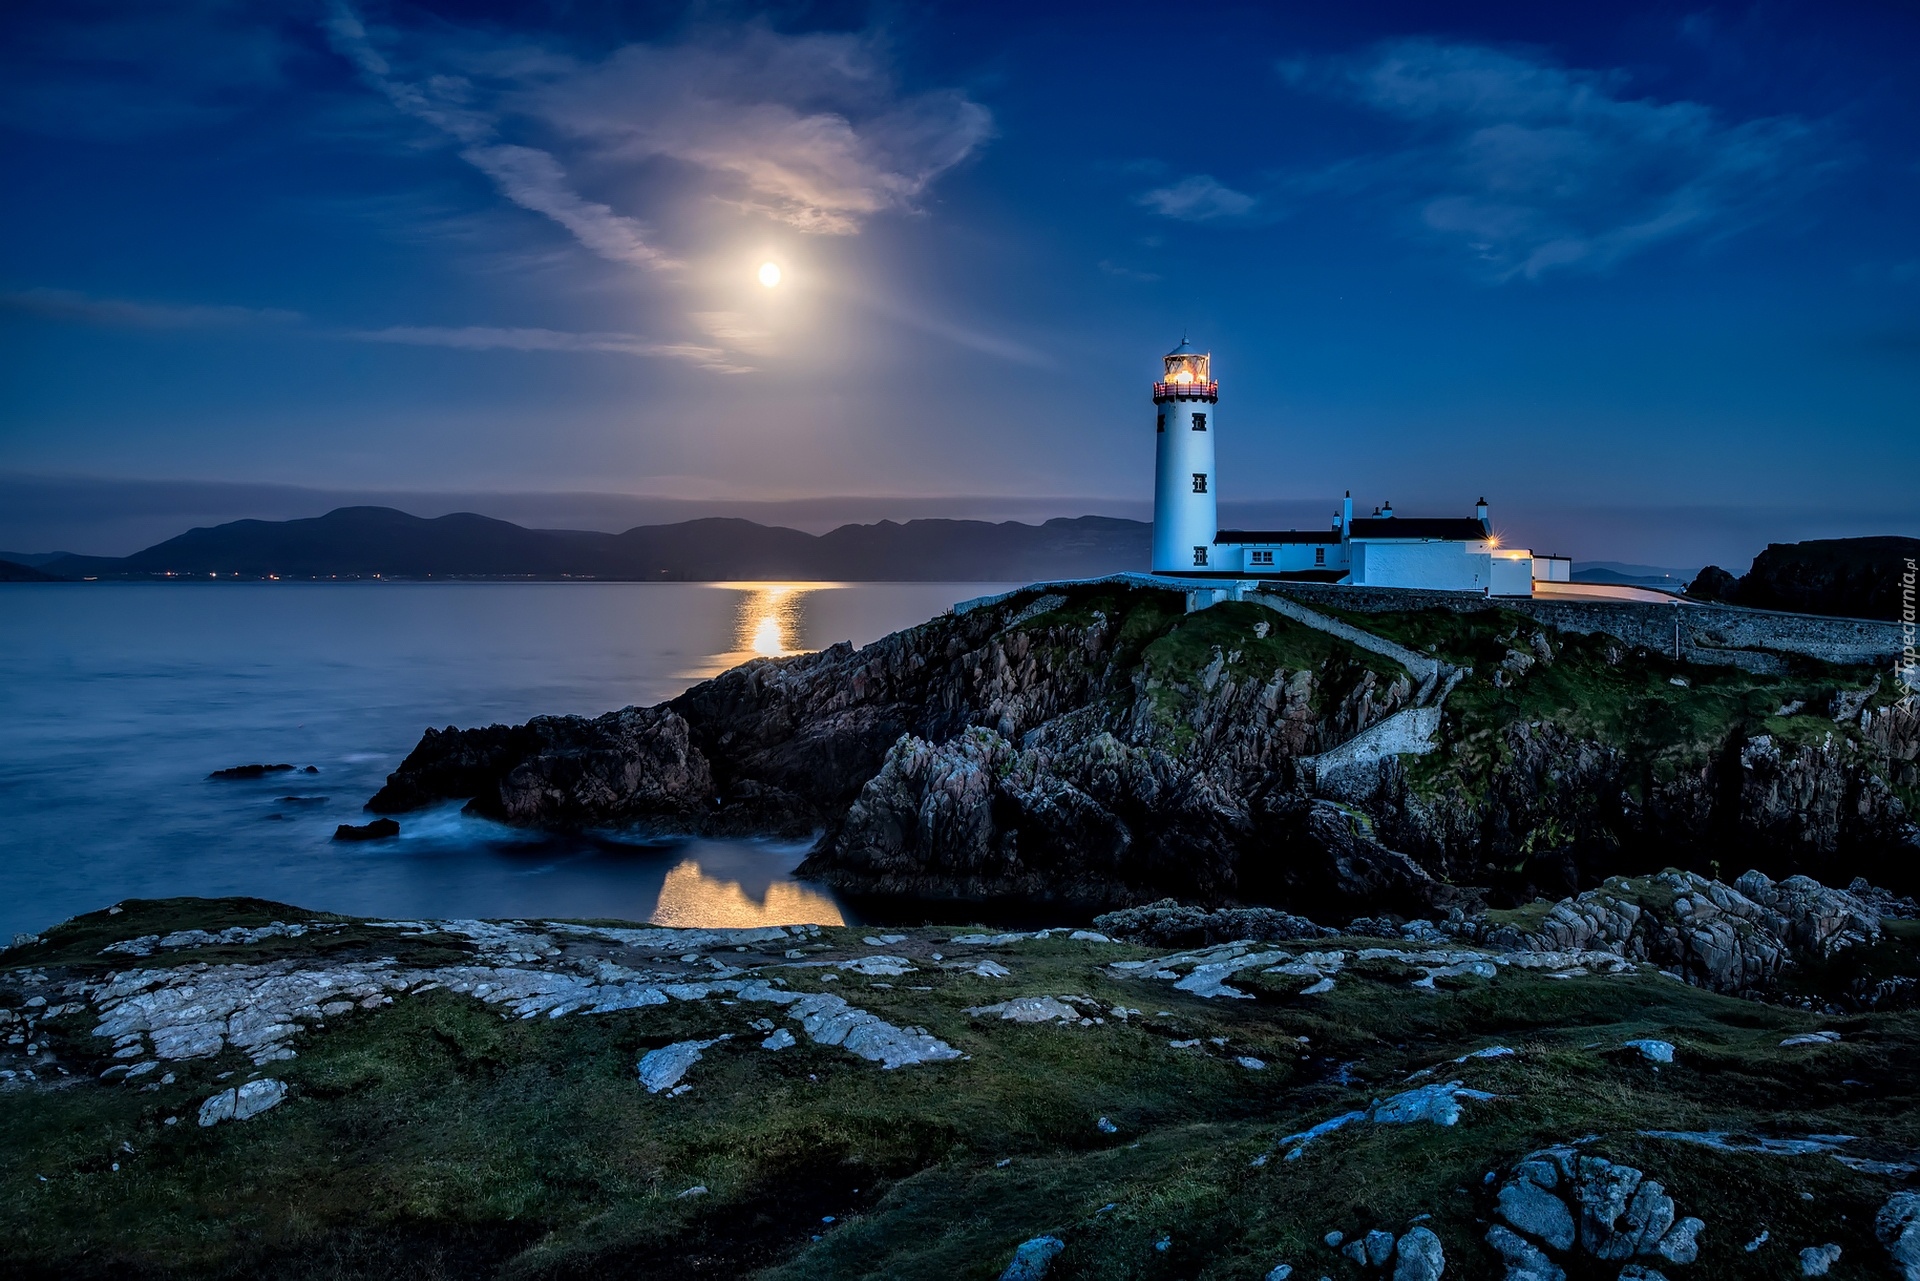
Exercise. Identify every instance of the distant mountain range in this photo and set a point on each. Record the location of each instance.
(368, 542)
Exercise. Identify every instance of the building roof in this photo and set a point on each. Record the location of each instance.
(1277, 536)
(1463, 529)
(1185, 348)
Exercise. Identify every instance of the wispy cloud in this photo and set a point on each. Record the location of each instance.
(811, 130)
(126, 313)
(1537, 167)
(531, 178)
(1198, 198)
(486, 338)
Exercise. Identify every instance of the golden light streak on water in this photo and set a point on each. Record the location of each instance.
(691, 897)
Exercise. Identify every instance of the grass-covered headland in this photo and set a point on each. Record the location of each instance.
(458, 1099)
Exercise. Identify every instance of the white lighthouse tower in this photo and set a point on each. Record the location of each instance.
(1184, 517)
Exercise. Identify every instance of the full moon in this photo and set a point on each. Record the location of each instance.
(769, 274)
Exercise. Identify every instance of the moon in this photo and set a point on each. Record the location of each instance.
(769, 274)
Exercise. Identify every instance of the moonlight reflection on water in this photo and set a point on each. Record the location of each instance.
(120, 699)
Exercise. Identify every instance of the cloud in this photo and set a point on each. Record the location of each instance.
(534, 180)
(1535, 167)
(485, 338)
(531, 178)
(811, 130)
(1198, 198)
(123, 313)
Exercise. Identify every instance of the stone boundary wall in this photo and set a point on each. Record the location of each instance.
(1425, 668)
(1405, 732)
(1720, 635)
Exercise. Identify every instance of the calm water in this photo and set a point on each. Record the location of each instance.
(117, 701)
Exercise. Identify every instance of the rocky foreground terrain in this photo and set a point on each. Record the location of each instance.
(1097, 746)
(1663, 1077)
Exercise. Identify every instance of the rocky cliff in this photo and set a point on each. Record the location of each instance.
(1100, 745)
(1851, 577)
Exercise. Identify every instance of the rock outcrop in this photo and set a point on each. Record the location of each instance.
(1100, 746)
(1560, 1203)
(1730, 938)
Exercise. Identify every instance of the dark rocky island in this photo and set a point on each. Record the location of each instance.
(1851, 577)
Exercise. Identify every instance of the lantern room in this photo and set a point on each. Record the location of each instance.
(1189, 376)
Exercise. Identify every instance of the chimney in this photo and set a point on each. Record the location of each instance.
(1480, 512)
(1387, 511)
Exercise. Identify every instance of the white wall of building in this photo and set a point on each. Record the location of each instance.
(1512, 573)
(1553, 569)
(1430, 564)
(1285, 558)
(1183, 519)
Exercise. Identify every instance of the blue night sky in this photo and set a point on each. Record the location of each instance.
(1646, 276)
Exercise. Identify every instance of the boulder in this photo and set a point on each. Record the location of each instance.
(1564, 1201)
(1033, 1258)
(662, 1069)
(243, 1102)
(249, 771)
(1418, 1256)
(1818, 1260)
(1524, 1260)
(1898, 1228)
(378, 830)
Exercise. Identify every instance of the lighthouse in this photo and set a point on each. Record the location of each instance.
(1184, 518)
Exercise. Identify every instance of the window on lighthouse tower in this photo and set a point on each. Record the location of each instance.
(1199, 555)
(1199, 422)
(1199, 482)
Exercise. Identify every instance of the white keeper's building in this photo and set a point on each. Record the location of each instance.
(1440, 553)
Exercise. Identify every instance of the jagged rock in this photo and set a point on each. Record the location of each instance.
(662, 1069)
(1032, 1259)
(1528, 1203)
(1735, 940)
(1883, 903)
(243, 1101)
(1897, 1225)
(1524, 1260)
(1418, 1256)
(1713, 583)
(1371, 1251)
(250, 771)
(1029, 1009)
(379, 830)
(1607, 1211)
(1817, 1260)
(1651, 1050)
(1168, 923)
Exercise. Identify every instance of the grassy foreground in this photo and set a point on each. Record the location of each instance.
(437, 1136)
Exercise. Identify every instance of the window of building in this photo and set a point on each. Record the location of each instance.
(1159, 423)
(1319, 555)
(1199, 422)
(1199, 482)
(1199, 555)
(1263, 558)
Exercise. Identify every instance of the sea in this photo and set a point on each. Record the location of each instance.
(118, 701)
